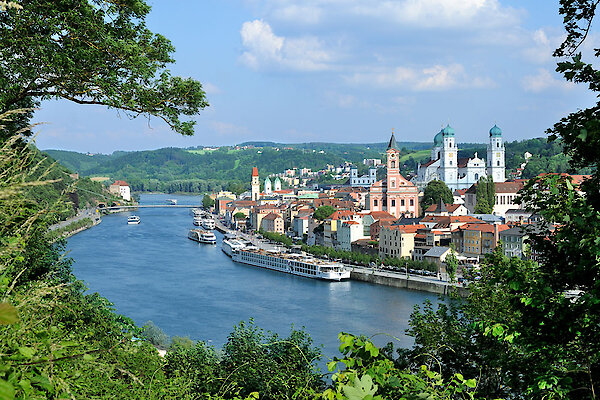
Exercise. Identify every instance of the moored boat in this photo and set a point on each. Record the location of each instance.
(208, 223)
(202, 236)
(133, 220)
(229, 245)
(172, 202)
(292, 263)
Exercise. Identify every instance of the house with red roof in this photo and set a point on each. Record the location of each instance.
(120, 188)
(273, 223)
(476, 240)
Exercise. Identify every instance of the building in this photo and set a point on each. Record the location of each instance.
(506, 194)
(443, 209)
(255, 185)
(477, 240)
(398, 240)
(513, 242)
(272, 223)
(349, 232)
(395, 194)
(364, 180)
(120, 188)
(268, 188)
(462, 173)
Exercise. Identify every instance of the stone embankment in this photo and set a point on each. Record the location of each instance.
(411, 282)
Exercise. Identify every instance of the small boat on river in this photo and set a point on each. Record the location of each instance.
(133, 220)
(202, 236)
(171, 202)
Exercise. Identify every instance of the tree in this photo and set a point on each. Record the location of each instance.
(323, 212)
(207, 202)
(91, 52)
(434, 192)
(451, 264)
(238, 216)
(486, 196)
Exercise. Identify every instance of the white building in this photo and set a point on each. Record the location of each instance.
(121, 188)
(464, 172)
(364, 180)
(348, 232)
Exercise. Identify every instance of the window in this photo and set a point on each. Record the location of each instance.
(450, 162)
(498, 163)
(402, 202)
(375, 202)
(393, 164)
(393, 203)
(412, 202)
(497, 144)
(476, 177)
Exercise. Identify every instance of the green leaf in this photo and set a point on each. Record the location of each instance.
(26, 352)
(360, 389)
(8, 314)
(471, 383)
(331, 365)
(7, 391)
(583, 135)
(498, 330)
(88, 357)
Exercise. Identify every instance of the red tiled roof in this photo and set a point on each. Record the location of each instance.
(379, 215)
(462, 162)
(483, 227)
(271, 216)
(577, 179)
(341, 214)
(254, 171)
(449, 207)
(120, 183)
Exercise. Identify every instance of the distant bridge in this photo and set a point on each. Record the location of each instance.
(151, 206)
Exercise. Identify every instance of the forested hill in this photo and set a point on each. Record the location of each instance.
(200, 170)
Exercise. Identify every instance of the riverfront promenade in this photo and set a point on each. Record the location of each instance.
(374, 275)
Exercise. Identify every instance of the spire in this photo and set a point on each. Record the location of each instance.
(393, 144)
(254, 171)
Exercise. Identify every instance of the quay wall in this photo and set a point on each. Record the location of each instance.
(442, 288)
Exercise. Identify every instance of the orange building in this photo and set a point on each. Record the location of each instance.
(395, 194)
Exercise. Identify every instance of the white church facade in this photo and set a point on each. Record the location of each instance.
(461, 173)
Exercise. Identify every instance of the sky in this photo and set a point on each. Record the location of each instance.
(345, 71)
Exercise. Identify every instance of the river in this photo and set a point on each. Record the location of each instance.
(151, 271)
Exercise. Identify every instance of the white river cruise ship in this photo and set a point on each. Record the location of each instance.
(292, 263)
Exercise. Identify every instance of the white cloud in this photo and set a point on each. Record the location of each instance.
(417, 13)
(264, 49)
(210, 88)
(544, 80)
(542, 46)
(434, 78)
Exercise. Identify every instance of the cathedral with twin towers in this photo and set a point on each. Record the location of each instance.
(461, 173)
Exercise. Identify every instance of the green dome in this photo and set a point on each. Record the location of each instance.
(495, 131)
(448, 131)
(437, 140)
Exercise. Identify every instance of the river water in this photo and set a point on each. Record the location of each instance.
(151, 271)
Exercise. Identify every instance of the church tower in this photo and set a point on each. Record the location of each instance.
(495, 155)
(255, 184)
(449, 158)
(268, 186)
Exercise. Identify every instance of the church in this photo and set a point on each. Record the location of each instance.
(461, 173)
(395, 194)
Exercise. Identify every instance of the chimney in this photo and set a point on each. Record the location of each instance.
(496, 235)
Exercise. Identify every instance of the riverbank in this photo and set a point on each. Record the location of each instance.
(379, 277)
(85, 219)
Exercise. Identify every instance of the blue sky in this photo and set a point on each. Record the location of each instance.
(345, 71)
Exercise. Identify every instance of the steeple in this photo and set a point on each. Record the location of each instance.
(393, 144)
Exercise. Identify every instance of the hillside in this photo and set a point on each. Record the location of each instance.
(200, 170)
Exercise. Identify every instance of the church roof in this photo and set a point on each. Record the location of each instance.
(254, 171)
(448, 131)
(393, 144)
(267, 180)
(495, 131)
(437, 140)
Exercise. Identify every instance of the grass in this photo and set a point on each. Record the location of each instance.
(417, 155)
